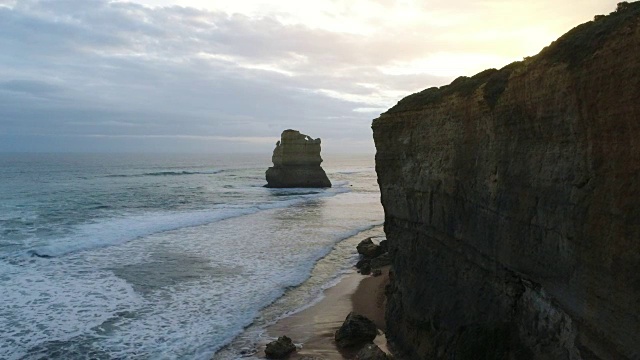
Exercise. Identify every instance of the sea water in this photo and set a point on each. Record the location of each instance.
(165, 256)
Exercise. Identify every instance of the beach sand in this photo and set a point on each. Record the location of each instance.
(312, 329)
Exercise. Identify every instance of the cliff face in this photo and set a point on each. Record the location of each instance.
(512, 205)
(296, 162)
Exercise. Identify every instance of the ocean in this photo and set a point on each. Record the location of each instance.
(122, 256)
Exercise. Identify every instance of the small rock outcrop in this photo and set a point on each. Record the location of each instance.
(296, 163)
(279, 349)
(384, 245)
(373, 257)
(368, 249)
(380, 261)
(363, 262)
(371, 352)
(365, 268)
(355, 331)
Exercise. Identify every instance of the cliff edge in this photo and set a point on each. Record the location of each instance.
(512, 205)
(296, 163)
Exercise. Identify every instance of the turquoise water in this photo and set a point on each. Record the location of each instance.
(161, 256)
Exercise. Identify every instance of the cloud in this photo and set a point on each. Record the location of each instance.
(76, 69)
(34, 88)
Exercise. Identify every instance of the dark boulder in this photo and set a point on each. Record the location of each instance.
(365, 269)
(368, 249)
(371, 352)
(355, 331)
(380, 261)
(279, 349)
(384, 245)
(363, 262)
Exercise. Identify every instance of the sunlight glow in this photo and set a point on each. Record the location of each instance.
(448, 65)
(499, 31)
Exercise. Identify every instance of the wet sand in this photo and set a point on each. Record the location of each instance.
(312, 329)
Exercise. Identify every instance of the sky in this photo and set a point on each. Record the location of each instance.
(225, 76)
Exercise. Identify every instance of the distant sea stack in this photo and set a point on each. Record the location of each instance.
(512, 205)
(296, 163)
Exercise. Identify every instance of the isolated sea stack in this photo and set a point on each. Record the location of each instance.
(512, 205)
(296, 163)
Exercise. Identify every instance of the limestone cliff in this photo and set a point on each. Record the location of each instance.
(296, 162)
(512, 205)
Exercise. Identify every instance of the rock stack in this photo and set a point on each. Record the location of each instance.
(296, 163)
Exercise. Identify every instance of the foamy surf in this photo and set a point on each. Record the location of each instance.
(170, 267)
(117, 231)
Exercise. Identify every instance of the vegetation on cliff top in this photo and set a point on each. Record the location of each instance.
(584, 40)
(572, 48)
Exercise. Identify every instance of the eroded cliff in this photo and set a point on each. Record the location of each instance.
(512, 205)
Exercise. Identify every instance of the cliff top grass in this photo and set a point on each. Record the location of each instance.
(574, 47)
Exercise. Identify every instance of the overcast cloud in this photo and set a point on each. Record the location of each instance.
(96, 75)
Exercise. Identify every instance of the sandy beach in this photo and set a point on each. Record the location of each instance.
(312, 329)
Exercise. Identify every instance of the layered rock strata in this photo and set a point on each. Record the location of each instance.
(512, 205)
(296, 163)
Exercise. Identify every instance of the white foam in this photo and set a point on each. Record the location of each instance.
(254, 259)
(45, 303)
(117, 231)
(271, 252)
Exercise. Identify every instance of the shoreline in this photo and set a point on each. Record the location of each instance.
(313, 328)
(312, 320)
